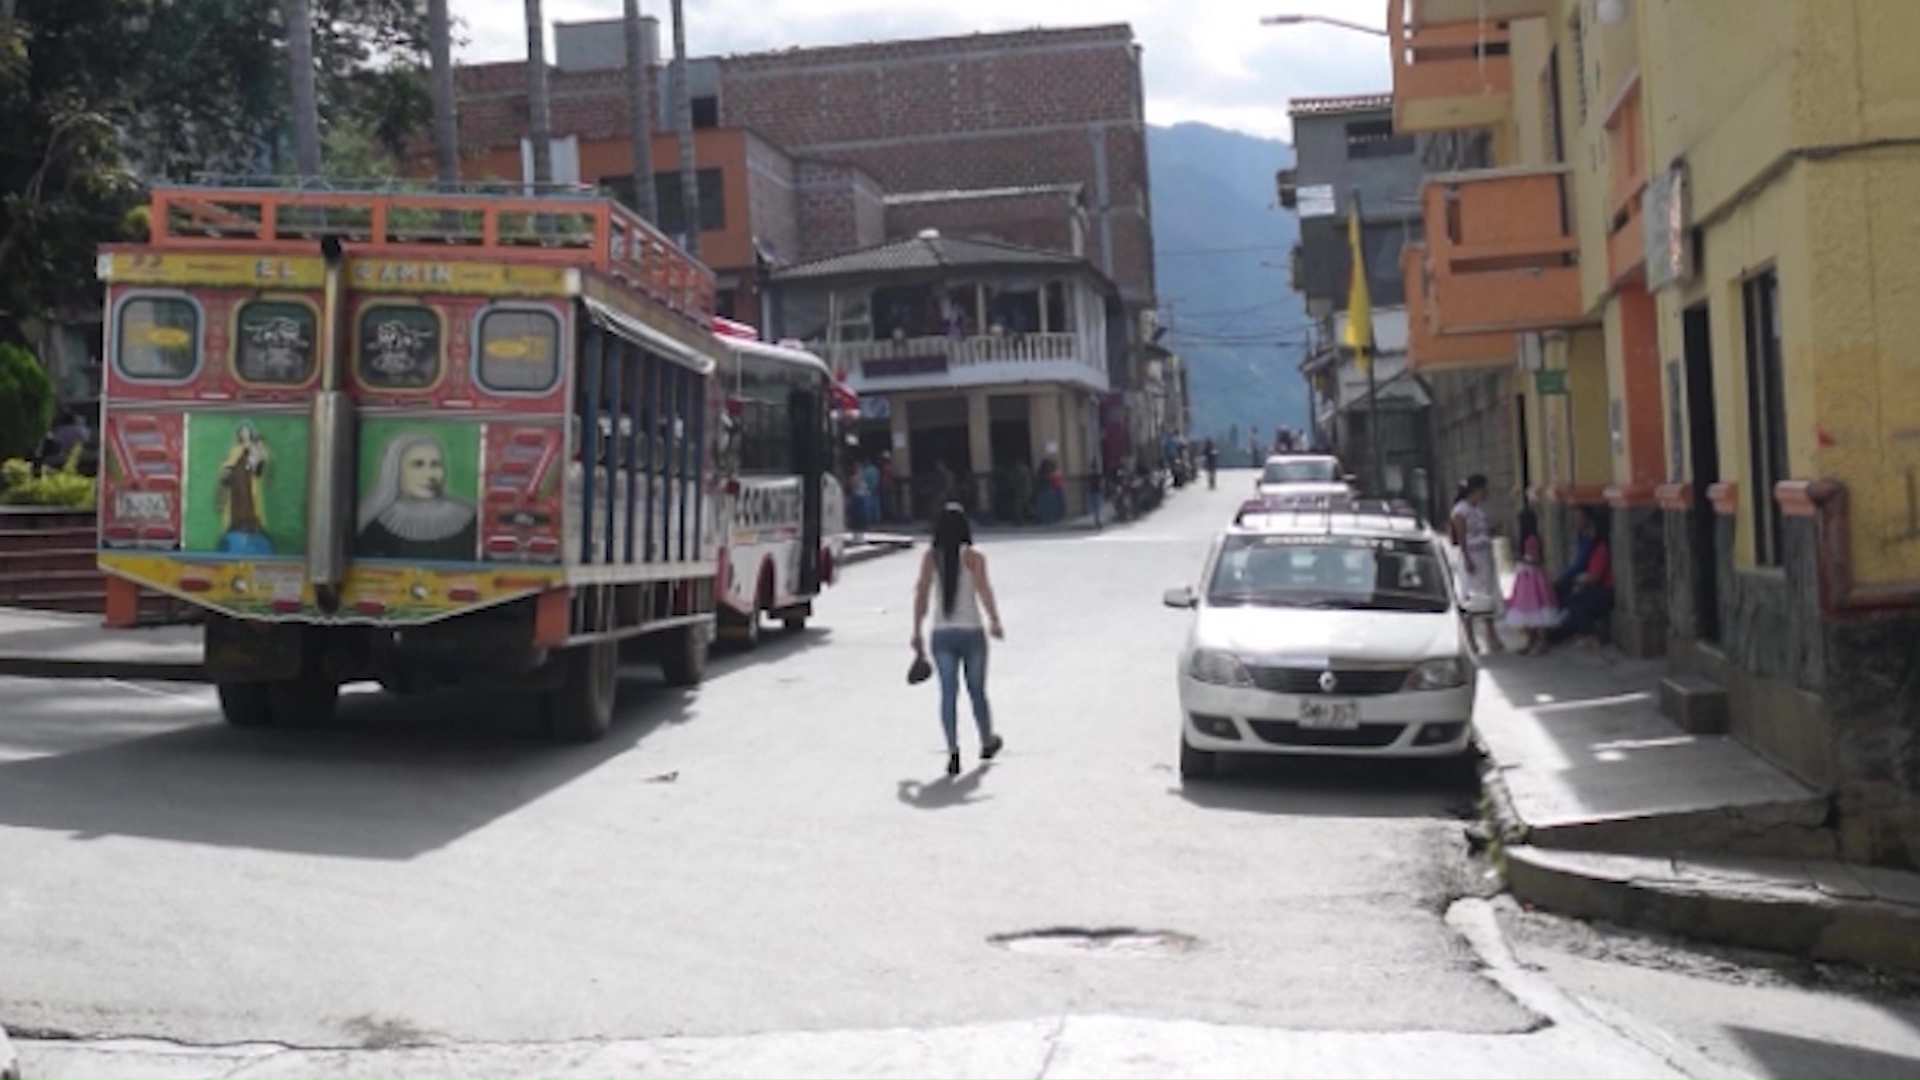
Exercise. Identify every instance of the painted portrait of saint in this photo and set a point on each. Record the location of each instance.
(243, 528)
(409, 514)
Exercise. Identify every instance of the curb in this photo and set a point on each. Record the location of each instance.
(1870, 933)
(855, 558)
(39, 667)
(9, 1063)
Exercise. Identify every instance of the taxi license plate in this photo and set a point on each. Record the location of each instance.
(1330, 715)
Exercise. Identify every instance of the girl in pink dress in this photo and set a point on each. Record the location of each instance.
(1532, 606)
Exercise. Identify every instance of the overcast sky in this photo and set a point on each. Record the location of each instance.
(1207, 60)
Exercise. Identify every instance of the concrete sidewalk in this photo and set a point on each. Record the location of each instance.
(52, 645)
(1604, 808)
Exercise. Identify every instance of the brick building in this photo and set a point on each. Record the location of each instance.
(1035, 138)
(995, 123)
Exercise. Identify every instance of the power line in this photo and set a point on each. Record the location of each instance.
(1187, 252)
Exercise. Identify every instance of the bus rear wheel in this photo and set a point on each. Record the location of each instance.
(246, 704)
(683, 656)
(306, 700)
(580, 709)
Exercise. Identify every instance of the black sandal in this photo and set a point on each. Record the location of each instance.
(993, 746)
(953, 764)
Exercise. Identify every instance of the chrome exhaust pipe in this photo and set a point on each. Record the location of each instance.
(330, 444)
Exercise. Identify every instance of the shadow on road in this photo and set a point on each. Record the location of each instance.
(1336, 787)
(946, 792)
(1791, 1055)
(390, 778)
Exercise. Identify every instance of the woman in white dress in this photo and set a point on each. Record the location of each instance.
(1472, 536)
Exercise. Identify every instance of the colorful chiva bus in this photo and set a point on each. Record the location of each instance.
(783, 532)
(430, 440)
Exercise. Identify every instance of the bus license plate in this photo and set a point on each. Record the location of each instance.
(1330, 715)
(142, 506)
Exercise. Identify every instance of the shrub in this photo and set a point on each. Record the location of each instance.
(26, 402)
(65, 487)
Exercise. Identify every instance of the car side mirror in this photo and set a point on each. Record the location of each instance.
(1181, 598)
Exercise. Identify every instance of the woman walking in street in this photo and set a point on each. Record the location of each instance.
(1472, 534)
(959, 636)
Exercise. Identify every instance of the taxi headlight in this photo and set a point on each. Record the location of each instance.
(1219, 668)
(1438, 675)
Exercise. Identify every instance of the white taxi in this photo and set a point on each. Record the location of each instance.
(1308, 475)
(1328, 631)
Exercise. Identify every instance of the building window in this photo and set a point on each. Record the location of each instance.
(276, 342)
(1766, 412)
(1376, 139)
(706, 112)
(1551, 115)
(519, 351)
(713, 202)
(399, 347)
(158, 338)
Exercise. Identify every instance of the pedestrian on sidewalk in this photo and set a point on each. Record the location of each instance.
(1585, 587)
(1532, 606)
(959, 636)
(1472, 534)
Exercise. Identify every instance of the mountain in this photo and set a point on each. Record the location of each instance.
(1221, 250)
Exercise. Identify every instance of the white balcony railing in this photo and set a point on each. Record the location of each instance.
(927, 361)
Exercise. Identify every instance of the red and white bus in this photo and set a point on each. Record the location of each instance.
(782, 517)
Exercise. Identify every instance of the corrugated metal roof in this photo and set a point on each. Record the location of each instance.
(924, 254)
(1318, 106)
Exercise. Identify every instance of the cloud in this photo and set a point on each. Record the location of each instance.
(1206, 60)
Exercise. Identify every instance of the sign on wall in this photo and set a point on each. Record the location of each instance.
(1668, 230)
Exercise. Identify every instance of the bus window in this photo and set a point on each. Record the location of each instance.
(276, 342)
(766, 421)
(399, 347)
(519, 350)
(158, 337)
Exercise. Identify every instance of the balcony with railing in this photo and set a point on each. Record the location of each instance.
(1502, 256)
(920, 363)
(1626, 188)
(1452, 62)
(1432, 352)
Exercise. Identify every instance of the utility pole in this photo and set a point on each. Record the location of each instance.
(539, 105)
(446, 132)
(683, 117)
(306, 106)
(1368, 357)
(640, 103)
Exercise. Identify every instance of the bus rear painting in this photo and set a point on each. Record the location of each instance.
(430, 440)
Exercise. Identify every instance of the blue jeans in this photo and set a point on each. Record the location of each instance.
(953, 650)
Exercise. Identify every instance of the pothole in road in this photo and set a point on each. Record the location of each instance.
(1120, 942)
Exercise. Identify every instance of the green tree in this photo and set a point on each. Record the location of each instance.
(26, 402)
(99, 98)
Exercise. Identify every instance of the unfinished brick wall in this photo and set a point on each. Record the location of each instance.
(1044, 220)
(841, 208)
(984, 111)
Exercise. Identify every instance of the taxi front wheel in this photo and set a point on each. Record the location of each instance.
(1195, 763)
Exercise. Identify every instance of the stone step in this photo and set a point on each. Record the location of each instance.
(22, 588)
(44, 560)
(1698, 704)
(1819, 909)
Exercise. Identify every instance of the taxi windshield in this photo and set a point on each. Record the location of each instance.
(1303, 471)
(1357, 573)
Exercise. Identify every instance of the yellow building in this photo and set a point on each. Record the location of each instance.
(1692, 245)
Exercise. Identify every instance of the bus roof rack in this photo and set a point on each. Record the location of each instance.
(565, 225)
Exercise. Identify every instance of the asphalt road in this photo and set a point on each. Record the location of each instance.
(770, 875)
(774, 853)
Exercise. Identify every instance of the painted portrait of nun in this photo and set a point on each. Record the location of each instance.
(409, 514)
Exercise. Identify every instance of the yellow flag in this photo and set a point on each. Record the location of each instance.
(1359, 335)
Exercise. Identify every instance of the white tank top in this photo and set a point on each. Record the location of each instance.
(966, 600)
